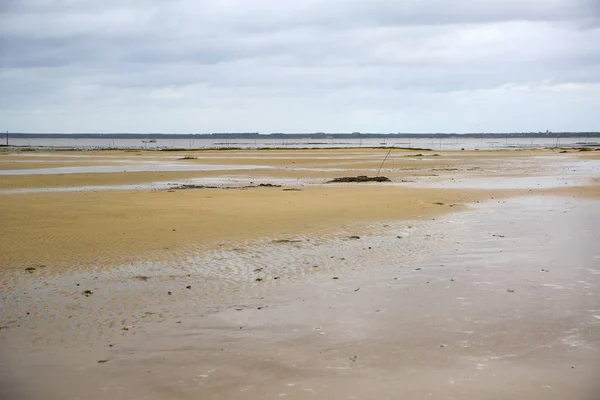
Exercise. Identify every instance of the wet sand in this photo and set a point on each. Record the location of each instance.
(489, 298)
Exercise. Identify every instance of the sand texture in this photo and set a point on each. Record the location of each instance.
(139, 274)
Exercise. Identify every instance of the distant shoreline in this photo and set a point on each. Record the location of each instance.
(321, 136)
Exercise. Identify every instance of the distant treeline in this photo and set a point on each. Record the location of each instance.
(256, 135)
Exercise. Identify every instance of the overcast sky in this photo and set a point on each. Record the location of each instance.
(299, 65)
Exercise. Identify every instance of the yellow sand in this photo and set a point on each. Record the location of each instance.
(63, 229)
(111, 227)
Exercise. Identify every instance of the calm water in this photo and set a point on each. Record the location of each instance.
(436, 144)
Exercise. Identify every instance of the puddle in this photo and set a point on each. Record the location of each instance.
(564, 175)
(225, 182)
(142, 186)
(537, 182)
(138, 167)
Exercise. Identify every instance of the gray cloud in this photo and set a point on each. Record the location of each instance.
(339, 65)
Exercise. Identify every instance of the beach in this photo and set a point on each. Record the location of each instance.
(233, 274)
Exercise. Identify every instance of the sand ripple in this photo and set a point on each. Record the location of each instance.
(41, 307)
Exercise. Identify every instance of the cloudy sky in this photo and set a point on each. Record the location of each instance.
(299, 65)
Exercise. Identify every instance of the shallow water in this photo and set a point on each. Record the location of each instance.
(437, 144)
(550, 172)
(137, 167)
(552, 175)
(534, 182)
(222, 182)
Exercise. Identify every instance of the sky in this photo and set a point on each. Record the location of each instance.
(200, 66)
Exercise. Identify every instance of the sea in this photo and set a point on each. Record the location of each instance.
(444, 143)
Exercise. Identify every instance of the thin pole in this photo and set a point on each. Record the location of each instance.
(381, 166)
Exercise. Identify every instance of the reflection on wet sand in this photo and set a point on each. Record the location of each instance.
(498, 301)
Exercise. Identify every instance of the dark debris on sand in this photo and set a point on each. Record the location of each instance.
(360, 179)
(187, 187)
